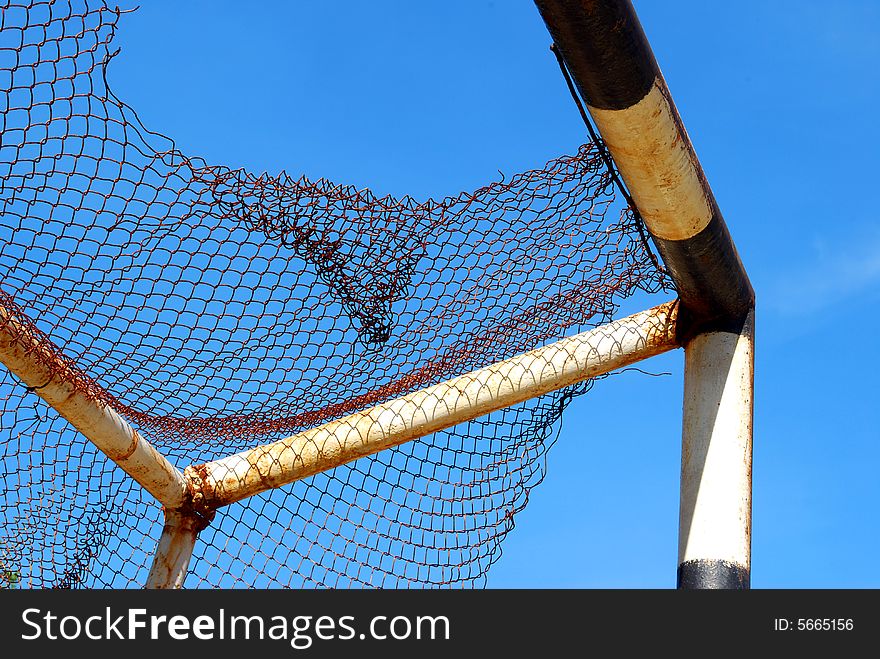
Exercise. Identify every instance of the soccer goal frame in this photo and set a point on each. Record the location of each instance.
(611, 62)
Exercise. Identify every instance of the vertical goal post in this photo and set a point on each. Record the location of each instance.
(611, 62)
(609, 57)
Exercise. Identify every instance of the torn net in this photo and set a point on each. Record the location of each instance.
(218, 310)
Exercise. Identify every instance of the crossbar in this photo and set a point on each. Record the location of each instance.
(560, 364)
(613, 66)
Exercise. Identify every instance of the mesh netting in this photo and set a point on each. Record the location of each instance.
(217, 310)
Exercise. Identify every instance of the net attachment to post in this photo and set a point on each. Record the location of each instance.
(216, 311)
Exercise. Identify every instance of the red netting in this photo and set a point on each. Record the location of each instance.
(217, 310)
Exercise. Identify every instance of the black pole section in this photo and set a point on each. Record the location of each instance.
(611, 61)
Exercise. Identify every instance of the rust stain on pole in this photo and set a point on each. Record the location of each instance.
(38, 363)
(435, 408)
(175, 550)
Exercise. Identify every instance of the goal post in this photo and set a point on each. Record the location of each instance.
(389, 373)
(716, 457)
(608, 55)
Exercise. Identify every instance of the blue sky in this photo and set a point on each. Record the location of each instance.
(431, 98)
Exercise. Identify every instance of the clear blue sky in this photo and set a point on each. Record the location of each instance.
(430, 98)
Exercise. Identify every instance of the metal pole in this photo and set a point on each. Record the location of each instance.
(175, 550)
(434, 408)
(611, 62)
(613, 66)
(715, 524)
(39, 365)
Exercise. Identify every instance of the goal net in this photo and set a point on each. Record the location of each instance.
(217, 310)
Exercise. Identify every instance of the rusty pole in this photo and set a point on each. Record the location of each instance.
(175, 549)
(58, 382)
(190, 499)
(38, 364)
(611, 62)
(41, 367)
(435, 408)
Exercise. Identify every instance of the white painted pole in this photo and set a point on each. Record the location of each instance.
(715, 524)
(435, 408)
(39, 367)
(174, 551)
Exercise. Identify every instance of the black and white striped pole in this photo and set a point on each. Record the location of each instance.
(611, 62)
